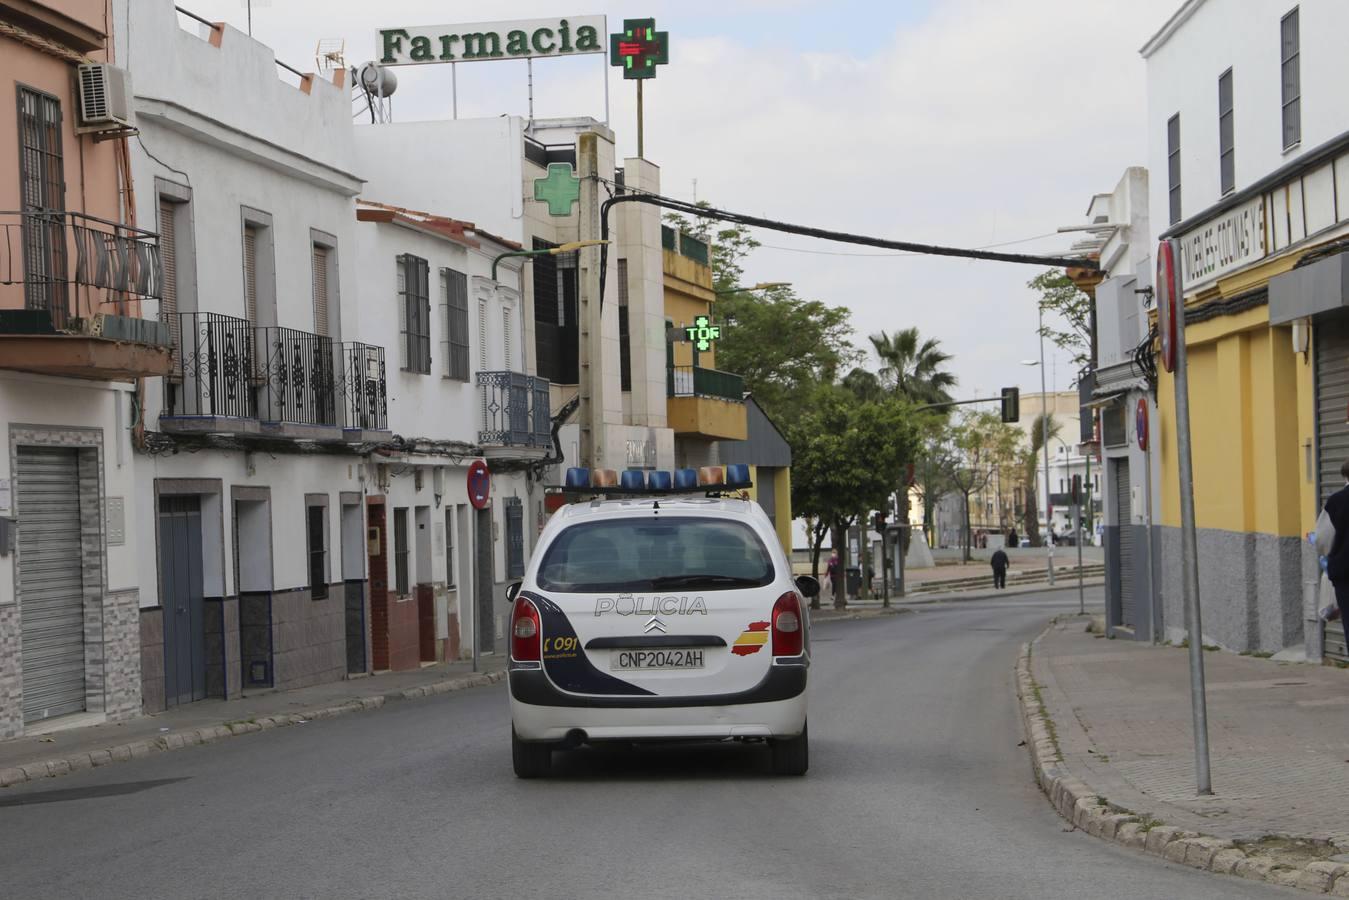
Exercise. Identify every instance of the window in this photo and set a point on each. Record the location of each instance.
(449, 545)
(42, 187)
(402, 551)
(1173, 166)
(414, 293)
(1290, 55)
(508, 361)
(624, 333)
(454, 291)
(168, 260)
(1062, 486)
(556, 336)
(482, 360)
(683, 552)
(1227, 167)
(422, 522)
(317, 528)
(259, 272)
(251, 274)
(320, 266)
(515, 538)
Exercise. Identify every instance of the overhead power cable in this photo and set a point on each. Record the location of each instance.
(711, 212)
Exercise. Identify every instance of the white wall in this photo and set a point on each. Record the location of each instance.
(1243, 35)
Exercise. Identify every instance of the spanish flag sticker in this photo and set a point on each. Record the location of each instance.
(751, 639)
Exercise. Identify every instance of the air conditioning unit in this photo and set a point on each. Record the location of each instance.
(105, 97)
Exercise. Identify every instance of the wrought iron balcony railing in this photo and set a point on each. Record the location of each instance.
(71, 264)
(695, 381)
(226, 367)
(515, 410)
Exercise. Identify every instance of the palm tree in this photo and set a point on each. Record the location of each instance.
(913, 366)
(1045, 423)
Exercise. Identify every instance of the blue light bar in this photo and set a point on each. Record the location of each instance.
(686, 479)
(633, 480)
(659, 481)
(737, 475)
(578, 478)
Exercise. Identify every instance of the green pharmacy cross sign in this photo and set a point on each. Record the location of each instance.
(702, 332)
(559, 190)
(639, 48)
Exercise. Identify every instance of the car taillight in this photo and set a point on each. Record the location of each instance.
(525, 642)
(787, 629)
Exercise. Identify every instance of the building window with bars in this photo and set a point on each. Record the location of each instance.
(402, 551)
(515, 538)
(251, 274)
(1290, 62)
(316, 511)
(320, 266)
(624, 329)
(415, 313)
(1227, 167)
(1173, 167)
(168, 260)
(42, 197)
(454, 299)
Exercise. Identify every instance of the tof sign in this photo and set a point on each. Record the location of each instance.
(702, 333)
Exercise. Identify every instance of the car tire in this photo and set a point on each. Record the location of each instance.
(791, 756)
(530, 759)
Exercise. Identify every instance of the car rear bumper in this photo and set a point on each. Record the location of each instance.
(780, 718)
(784, 681)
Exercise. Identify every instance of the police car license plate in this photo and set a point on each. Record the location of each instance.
(658, 659)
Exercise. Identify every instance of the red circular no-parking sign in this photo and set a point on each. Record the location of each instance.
(479, 484)
(1168, 291)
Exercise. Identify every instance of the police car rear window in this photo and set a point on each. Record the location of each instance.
(653, 554)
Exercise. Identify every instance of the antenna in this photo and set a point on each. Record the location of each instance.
(330, 54)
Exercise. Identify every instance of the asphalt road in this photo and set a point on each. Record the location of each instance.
(917, 789)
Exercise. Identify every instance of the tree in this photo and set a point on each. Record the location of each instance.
(980, 444)
(930, 467)
(1030, 465)
(847, 457)
(913, 366)
(1059, 295)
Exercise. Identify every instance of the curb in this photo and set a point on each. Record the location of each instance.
(959, 596)
(177, 740)
(860, 614)
(1092, 813)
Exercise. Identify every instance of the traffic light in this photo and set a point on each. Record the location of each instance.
(1011, 404)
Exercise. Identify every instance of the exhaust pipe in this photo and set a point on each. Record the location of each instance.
(575, 738)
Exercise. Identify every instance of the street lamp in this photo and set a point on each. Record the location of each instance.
(548, 251)
(761, 286)
(1044, 430)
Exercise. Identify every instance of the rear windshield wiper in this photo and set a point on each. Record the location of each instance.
(673, 581)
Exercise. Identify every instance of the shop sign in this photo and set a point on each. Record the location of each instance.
(518, 39)
(1223, 244)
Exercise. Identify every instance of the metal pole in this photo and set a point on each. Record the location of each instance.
(529, 64)
(1190, 558)
(640, 143)
(1154, 597)
(1044, 430)
(1081, 587)
(604, 67)
(454, 88)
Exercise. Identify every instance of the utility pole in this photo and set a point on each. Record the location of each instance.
(590, 448)
(1044, 430)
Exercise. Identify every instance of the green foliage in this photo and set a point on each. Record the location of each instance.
(980, 444)
(913, 366)
(1031, 460)
(1059, 295)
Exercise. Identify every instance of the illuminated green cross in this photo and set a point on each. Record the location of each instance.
(559, 190)
(703, 333)
(639, 48)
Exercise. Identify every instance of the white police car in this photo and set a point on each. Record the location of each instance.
(659, 619)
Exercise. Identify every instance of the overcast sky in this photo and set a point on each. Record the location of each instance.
(961, 122)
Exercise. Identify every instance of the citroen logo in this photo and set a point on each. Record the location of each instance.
(653, 624)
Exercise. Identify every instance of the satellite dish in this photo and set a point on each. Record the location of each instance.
(377, 80)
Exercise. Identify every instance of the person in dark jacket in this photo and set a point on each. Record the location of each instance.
(1332, 541)
(1000, 563)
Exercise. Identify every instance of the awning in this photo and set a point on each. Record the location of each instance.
(1104, 400)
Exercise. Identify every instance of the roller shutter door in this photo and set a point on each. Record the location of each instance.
(51, 588)
(1332, 427)
(1124, 517)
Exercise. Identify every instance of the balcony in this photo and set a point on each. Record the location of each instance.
(71, 287)
(230, 377)
(706, 403)
(516, 419)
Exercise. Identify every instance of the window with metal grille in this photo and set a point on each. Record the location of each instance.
(1227, 166)
(320, 265)
(454, 291)
(414, 292)
(508, 361)
(168, 259)
(318, 551)
(556, 337)
(402, 551)
(251, 273)
(1290, 63)
(1173, 166)
(42, 189)
(624, 329)
(515, 538)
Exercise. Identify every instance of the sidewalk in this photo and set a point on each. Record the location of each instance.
(1119, 728)
(61, 752)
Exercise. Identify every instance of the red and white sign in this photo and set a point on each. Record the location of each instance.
(479, 484)
(1169, 297)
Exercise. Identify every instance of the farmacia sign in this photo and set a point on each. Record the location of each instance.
(519, 39)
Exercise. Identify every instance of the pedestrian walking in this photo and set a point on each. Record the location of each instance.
(1000, 563)
(831, 569)
(1332, 542)
(1012, 539)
